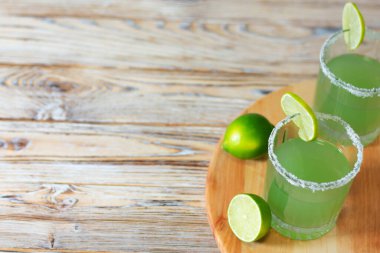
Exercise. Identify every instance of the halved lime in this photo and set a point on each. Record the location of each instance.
(353, 25)
(249, 217)
(306, 121)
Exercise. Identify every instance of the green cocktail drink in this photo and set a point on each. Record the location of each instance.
(293, 205)
(349, 84)
(307, 182)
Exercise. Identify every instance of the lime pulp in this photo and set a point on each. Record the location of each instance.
(306, 120)
(249, 217)
(353, 25)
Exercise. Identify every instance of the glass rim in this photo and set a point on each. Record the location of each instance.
(356, 91)
(314, 186)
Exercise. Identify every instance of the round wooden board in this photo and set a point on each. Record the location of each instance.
(358, 226)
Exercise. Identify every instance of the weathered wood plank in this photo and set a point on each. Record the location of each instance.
(181, 175)
(80, 202)
(112, 95)
(40, 250)
(139, 217)
(78, 218)
(135, 201)
(108, 143)
(317, 11)
(238, 46)
(69, 205)
(97, 236)
(257, 47)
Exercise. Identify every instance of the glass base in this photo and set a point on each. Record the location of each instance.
(369, 138)
(298, 233)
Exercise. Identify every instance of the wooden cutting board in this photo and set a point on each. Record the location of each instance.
(358, 226)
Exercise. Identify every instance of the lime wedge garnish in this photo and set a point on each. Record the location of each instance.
(249, 217)
(306, 121)
(353, 25)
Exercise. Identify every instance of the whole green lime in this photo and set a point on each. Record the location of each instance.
(247, 136)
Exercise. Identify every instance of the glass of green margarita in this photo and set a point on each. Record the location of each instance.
(349, 83)
(307, 182)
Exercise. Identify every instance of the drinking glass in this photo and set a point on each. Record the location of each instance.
(356, 101)
(307, 182)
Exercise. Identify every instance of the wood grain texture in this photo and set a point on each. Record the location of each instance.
(110, 110)
(212, 35)
(127, 96)
(93, 142)
(203, 45)
(358, 226)
(173, 9)
(90, 187)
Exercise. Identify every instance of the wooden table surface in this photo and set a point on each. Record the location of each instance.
(110, 111)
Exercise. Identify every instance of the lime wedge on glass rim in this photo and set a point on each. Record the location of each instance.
(249, 217)
(306, 121)
(353, 25)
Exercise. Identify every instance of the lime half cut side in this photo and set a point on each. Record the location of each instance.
(249, 217)
(353, 25)
(306, 121)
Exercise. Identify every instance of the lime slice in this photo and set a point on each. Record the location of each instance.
(353, 25)
(249, 217)
(306, 121)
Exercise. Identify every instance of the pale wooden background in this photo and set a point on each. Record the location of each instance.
(110, 111)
